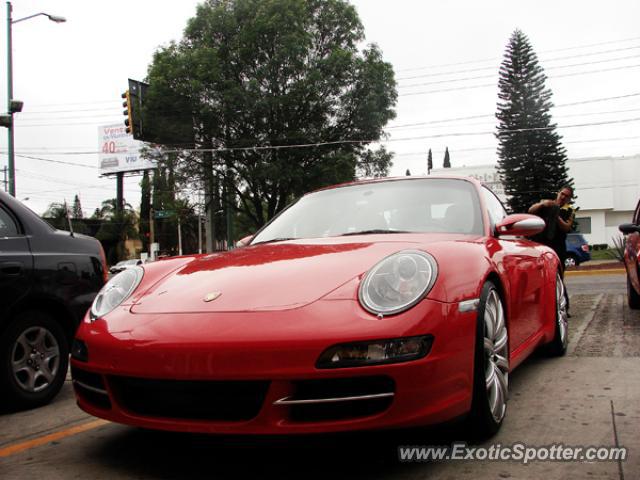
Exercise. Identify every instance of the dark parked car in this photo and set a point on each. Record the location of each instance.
(48, 279)
(577, 250)
(632, 258)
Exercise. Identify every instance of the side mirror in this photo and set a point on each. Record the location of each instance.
(244, 241)
(628, 228)
(521, 224)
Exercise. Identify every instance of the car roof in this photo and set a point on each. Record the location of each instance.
(397, 179)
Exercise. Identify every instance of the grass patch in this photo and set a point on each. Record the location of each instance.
(608, 254)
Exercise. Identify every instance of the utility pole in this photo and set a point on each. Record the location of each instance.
(15, 106)
(179, 236)
(152, 254)
(119, 192)
(10, 151)
(199, 233)
(210, 206)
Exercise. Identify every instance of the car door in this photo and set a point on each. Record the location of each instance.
(16, 261)
(525, 269)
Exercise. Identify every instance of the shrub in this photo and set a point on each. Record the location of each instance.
(618, 247)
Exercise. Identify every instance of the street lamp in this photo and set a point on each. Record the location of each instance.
(15, 106)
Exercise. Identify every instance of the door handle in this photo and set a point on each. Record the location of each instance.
(11, 268)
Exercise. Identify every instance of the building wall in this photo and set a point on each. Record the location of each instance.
(607, 189)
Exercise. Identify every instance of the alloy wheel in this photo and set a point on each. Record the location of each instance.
(35, 359)
(561, 311)
(496, 356)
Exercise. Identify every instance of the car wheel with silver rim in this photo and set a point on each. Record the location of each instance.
(558, 345)
(34, 359)
(570, 261)
(491, 365)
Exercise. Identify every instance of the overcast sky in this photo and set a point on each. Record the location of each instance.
(446, 57)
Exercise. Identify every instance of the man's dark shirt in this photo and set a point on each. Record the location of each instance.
(552, 235)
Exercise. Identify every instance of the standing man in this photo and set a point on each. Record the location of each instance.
(558, 217)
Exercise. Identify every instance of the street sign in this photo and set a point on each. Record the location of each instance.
(163, 214)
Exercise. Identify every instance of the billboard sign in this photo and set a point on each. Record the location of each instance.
(119, 152)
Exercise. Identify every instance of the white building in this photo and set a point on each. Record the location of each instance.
(608, 189)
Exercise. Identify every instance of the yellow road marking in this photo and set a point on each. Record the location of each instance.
(608, 271)
(36, 442)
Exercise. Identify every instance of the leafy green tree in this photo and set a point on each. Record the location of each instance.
(116, 227)
(374, 163)
(532, 160)
(57, 215)
(278, 74)
(447, 162)
(164, 198)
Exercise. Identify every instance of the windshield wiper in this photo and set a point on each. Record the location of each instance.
(278, 239)
(373, 231)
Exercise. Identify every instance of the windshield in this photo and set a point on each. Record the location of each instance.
(412, 205)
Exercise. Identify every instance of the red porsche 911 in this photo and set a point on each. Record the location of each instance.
(376, 304)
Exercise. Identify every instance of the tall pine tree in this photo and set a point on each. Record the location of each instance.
(447, 162)
(531, 158)
(76, 211)
(429, 162)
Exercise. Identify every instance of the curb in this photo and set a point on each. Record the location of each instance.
(604, 271)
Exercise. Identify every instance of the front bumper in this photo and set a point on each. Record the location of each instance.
(219, 376)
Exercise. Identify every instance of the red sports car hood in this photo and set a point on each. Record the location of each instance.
(281, 275)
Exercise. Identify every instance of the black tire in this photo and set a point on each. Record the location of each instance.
(485, 421)
(633, 299)
(558, 346)
(29, 379)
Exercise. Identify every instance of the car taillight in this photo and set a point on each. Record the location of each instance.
(585, 248)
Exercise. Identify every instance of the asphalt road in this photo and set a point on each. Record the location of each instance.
(589, 397)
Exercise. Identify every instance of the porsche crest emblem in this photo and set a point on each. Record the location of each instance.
(211, 296)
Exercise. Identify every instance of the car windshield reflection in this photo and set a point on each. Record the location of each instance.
(413, 205)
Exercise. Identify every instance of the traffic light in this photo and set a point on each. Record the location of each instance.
(128, 112)
(156, 126)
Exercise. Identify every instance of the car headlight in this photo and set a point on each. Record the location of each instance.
(375, 352)
(398, 282)
(116, 291)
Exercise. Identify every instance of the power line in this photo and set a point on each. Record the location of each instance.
(493, 147)
(73, 117)
(64, 124)
(493, 67)
(360, 142)
(402, 86)
(87, 102)
(496, 73)
(473, 117)
(484, 85)
(57, 161)
(543, 51)
(72, 111)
